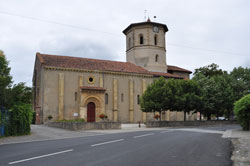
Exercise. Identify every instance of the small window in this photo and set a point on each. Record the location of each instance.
(138, 99)
(122, 97)
(91, 80)
(141, 39)
(156, 58)
(106, 98)
(75, 96)
(129, 42)
(155, 40)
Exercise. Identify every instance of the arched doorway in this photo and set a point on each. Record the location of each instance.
(91, 112)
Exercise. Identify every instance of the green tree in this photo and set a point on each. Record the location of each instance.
(16, 99)
(209, 70)
(5, 80)
(241, 81)
(154, 98)
(242, 111)
(21, 93)
(188, 96)
(224, 94)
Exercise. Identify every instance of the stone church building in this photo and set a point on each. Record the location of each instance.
(68, 87)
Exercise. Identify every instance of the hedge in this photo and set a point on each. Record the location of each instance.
(20, 118)
(242, 111)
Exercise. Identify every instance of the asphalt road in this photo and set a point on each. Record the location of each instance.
(147, 148)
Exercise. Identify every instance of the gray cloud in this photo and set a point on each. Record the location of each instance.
(222, 26)
(71, 46)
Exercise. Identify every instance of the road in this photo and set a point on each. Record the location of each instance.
(169, 147)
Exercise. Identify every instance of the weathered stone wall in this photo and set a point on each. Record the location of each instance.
(85, 125)
(61, 86)
(187, 123)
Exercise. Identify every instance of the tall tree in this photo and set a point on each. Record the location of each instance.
(241, 78)
(209, 70)
(5, 80)
(154, 98)
(189, 96)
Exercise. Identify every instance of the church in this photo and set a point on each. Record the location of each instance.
(67, 87)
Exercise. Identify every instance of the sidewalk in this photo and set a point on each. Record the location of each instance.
(241, 146)
(42, 133)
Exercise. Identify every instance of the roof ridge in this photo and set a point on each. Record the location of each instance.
(90, 64)
(83, 58)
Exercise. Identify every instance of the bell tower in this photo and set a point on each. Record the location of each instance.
(145, 45)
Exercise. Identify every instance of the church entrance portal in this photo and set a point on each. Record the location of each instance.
(91, 112)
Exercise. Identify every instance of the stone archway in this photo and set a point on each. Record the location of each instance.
(98, 108)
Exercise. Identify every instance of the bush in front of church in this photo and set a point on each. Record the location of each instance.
(242, 111)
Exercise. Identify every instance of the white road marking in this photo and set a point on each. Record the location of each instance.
(166, 131)
(201, 130)
(42, 156)
(103, 143)
(143, 135)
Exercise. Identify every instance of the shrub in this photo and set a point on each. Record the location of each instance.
(50, 117)
(242, 111)
(20, 118)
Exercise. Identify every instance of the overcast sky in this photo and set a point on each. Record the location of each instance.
(201, 32)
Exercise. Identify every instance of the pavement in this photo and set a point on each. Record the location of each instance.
(240, 139)
(241, 146)
(139, 146)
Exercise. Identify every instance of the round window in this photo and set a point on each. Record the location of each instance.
(91, 80)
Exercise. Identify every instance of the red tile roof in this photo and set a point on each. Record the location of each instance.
(89, 64)
(175, 68)
(92, 88)
(101, 65)
(168, 75)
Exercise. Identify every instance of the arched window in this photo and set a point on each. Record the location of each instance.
(141, 39)
(122, 97)
(155, 40)
(156, 58)
(138, 99)
(129, 42)
(106, 98)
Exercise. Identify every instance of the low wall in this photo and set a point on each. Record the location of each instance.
(187, 123)
(85, 125)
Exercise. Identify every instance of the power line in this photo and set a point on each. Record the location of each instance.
(54, 22)
(205, 49)
(114, 34)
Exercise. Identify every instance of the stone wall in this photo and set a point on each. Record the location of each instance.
(187, 123)
(85, 125)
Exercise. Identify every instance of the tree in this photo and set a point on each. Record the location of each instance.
(154, 98)
(224, 95)
(241, 78)
(5, 80)
(188, 97)
(21, 93)
(209, 70)
(16, 99)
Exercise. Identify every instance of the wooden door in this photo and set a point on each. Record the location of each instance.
(91, 112)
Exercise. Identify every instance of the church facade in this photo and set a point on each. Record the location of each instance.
(68, 87)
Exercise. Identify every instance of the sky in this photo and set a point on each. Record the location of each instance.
(201, 32)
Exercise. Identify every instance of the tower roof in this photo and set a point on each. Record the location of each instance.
(145, 23)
